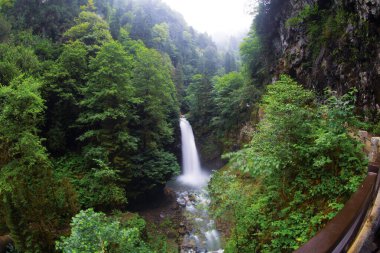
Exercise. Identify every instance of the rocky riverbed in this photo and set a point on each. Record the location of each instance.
(201, 235)
(182, 216)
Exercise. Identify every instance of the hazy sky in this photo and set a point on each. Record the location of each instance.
(215, 17)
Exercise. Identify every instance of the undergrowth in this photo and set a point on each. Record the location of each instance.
(295, 175)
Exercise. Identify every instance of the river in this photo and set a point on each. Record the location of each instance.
(192, 195)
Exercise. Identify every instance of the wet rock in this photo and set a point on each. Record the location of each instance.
(190, 245)
(368, 8)
(172, 234)
(363, 135)
(182, 231)
(181, 202)
(192, 197)
(348, 59)
(174, 206)
(188, 251)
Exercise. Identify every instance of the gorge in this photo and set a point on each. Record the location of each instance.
(104, 103)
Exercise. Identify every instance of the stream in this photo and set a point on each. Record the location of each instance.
(201, 235)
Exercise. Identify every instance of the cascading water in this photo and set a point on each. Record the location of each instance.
(192, 195)
(192, 172)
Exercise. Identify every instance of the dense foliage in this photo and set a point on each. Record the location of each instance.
(300, 163)
(93, 232)
(90, 96)
(296, 172)
(220, 106)
(90, 92)
(34, 204)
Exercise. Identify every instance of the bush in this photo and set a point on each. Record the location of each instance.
(93, 232)
(296, 173)
(302, 16)
(98, 187)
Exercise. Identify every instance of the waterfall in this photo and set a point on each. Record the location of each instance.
(192, 171)
(193, 197)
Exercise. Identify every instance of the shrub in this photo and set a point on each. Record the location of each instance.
(296, 173)
(93, 232)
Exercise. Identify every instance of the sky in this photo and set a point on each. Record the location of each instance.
(216, 17)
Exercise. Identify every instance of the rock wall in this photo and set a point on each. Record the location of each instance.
(336, 46)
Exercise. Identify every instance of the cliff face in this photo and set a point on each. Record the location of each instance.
(327, 43)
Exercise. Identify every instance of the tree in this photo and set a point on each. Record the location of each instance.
(231, 106)
(252, 51)
(158, 116)
(34, 204)
(229, 62)
(107, 109)
(179, 82)
(200, 100)
(142, 27)
(91, 30)
(16, 60)
(209, 61)
(93, 232)
(108, 100)
(63, 84)
(115, 25)
(159, 109)
(44, 18)
(161, 39)
(202, 109)
(300, 156)
(5, 29)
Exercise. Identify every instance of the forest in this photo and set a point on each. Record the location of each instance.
(91, 96)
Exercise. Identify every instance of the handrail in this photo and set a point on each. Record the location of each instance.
(340, 232)
(5, 241)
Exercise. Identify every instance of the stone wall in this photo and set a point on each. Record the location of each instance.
(339, 47)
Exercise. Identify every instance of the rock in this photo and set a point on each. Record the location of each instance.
(174, 206)
(347, 59)
(182, 231)
(192, 197)
(171, 234)
(181, 202)
(368, 9)
(374, 155)
(191, 244)
(363, 135)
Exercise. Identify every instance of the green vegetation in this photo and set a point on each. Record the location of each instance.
(325, 27)
(300, 163)
(93, 232)
(299, 168)
(34, 205)
(303, 15)
(90, 92)
(90, 96)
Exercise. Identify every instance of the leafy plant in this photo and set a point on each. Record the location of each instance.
(307, 12)
(292, 172)
(93, 232)
(33, 204)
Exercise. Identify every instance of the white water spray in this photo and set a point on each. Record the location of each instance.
(203, 237)
(192, 171)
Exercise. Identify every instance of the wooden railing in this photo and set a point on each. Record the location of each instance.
(339, 233)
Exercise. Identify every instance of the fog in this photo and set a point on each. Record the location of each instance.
(219, 18)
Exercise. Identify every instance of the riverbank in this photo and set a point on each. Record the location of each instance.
(165, 221)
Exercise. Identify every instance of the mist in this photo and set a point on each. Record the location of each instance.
(221, 19)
